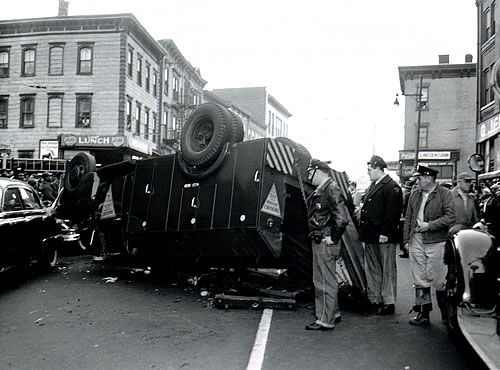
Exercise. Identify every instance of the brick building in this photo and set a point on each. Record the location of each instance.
(100, 84)
(488, 107)
(264, 108)
(447, 122)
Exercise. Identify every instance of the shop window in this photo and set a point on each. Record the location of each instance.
(4, 62)
(85, 60)
(4, 110)
(56, 60)
(27, 111)
(55, 111)
(28, 63)
(83, 111)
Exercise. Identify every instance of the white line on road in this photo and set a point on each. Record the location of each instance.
(259, 346)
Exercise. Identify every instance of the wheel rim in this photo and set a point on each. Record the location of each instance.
(76, 174)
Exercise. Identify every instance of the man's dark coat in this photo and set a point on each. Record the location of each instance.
(381, 212)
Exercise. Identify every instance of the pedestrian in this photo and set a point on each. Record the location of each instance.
(45, 189)
(379, 219)
(327, 220)
(355, 193)
(465, 203)
(429, 214)
(406, 188)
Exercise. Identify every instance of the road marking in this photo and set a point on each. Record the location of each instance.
(259, 346)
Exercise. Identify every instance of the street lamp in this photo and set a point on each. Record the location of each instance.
(419, 107)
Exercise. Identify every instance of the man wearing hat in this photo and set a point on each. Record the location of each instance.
(327, 220)
(429, 214)
(465, 203)
(378, 229)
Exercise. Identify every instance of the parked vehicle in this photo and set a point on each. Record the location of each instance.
(473, 285)
(28, 230)
(218, 202)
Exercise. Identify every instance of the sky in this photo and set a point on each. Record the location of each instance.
(333, 64)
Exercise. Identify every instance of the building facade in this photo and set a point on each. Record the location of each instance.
(264, 108)
(488, 107)
(447, 95)
(100, 84)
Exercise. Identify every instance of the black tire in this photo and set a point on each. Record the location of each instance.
(237, 131)
(48, 256)
(81, 164)
(211, 122)
(452, 298)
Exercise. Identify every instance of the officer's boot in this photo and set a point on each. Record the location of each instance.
(441, 301)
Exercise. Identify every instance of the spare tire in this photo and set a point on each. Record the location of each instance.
(80, 165)
(204, 134)
(236, 132)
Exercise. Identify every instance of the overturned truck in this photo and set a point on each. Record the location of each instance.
(219, 202)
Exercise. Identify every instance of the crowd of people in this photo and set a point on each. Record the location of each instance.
(46, 184)
(418, 217)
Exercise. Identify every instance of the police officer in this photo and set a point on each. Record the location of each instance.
(327, 220)
(429, 214)
(378, 229)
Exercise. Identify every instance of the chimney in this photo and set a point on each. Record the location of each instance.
(63, 8)
(444, 59)
(468, 58)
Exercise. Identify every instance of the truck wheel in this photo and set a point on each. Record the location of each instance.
(81, 164)
(236, 132)
(204, 134)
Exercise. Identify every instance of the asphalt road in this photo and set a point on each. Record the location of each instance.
(75, 318)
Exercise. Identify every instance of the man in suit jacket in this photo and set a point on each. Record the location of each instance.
(379, 219)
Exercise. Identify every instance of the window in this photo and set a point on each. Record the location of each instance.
(423, 137)
(424, 99)
(83, 111)
(488, 95)
(4, 109)
(175, 88)
(128, 112)
(146, 123)
(29, 56)
(56, 60)
(29, 154)
(54, 118)
(148, 72)
(85, 60)
(27, 111)
(155, 78)
(130, 59)
(4, 62)
(153, 128)
(29, 199)
(12, 200)
(163, 125)
(139, 70)
(138, 119)
(165, 75)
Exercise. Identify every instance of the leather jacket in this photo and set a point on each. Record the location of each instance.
(439, 212)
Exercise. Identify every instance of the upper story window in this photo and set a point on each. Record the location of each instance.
(4, 110)
(487, 95)
(148, 76)
(83, 110)
(27, 117)
(175, 88)
(4, 62)
(54, 118)
(138, 119)
(28, 63)
(130, 60)
(155, 82)
(146, 123)
(424, 98)
(139, 70)
(56, 60)
(128, 113)
(85, 59)
(423, 137)
(166, 78)
(488, 22)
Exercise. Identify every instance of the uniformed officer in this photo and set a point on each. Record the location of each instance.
(429, 214)
(327, 220)
(379, 221)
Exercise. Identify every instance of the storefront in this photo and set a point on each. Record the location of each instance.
(489, 142)
(443, 161)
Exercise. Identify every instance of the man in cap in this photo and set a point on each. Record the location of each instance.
(327, 219)
(378, 229)
(465, 203)
(429, 214)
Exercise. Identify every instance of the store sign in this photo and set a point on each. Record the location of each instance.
(49, 149)
(488, 128)
(139, 145)
(440, 155)
(93, 140)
